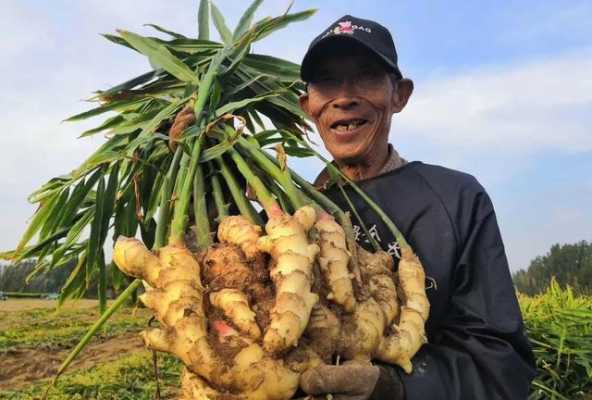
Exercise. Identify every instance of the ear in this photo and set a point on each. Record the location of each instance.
(402, 95)
(303, 100)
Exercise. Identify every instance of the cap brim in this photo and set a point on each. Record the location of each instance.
(312, 55)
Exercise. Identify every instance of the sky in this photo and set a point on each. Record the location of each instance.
(503, 91)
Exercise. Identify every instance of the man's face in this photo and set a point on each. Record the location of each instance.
(351, 99)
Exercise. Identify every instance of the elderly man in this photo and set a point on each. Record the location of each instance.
(477, 348)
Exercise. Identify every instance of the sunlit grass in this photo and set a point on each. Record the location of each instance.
(48, 329)
(130, 377)
(559, 326)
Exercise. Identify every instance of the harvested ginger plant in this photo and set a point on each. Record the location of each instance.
(209, 319)
(248, 312)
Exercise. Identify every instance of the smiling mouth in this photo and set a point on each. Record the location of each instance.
(348, 125)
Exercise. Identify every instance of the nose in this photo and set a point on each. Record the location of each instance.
(346, 97)
(346, 100)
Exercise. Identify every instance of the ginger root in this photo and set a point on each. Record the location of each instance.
(235, 306)
(333, 260)
(178, 303)
(237, 230)
(258, 311)
(292, 257)
(378, 273)
(409, 334)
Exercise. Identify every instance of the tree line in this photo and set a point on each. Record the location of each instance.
(570, 264)
(13, 278)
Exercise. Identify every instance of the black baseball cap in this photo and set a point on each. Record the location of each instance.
(369, 34)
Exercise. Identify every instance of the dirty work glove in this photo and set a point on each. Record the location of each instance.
(353, 381)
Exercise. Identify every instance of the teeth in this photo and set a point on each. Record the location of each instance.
(348, 127)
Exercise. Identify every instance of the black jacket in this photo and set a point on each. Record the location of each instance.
(477, 347)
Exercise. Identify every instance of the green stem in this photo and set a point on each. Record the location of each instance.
(276, 188)
(385, 218)
(328, 205)
(288, 184)
(180, 217)
(206, 83)
(102, 289)
(376, 208)
(202, 222)
(351, 206)
(93, 329)
(221, 206)
(180, 178)
(165, 201)
(179, 223)
(279, 194)
(263, 195)
(271, 167)
(238, 195)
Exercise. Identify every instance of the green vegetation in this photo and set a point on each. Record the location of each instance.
(559, 326)
(48, 329)
(569, 264)
(146, 176)
(125, 372)
(130, 377)
(140, 181)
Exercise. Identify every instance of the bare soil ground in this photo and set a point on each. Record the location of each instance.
(23, 366)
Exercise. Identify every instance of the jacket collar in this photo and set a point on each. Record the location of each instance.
(393, 162)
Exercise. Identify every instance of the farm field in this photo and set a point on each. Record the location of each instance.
(35, 339)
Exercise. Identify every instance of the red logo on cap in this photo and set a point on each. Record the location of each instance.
(344, 27)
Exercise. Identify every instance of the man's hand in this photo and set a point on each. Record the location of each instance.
(353, 381)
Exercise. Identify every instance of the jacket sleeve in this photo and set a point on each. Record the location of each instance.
(480, 351)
